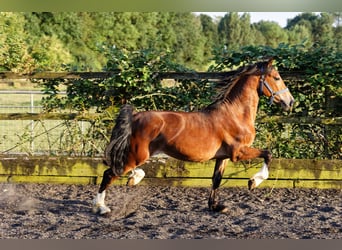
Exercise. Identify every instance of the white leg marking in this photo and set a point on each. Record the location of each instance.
(261, 175)
(99, 204)
(135, 177)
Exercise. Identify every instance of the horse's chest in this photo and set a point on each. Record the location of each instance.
(239, 133)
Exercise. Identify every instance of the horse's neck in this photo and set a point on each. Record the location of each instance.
(244, 103)
(241, 102)
(246, 109)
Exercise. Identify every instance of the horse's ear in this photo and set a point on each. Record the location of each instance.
(270, 62)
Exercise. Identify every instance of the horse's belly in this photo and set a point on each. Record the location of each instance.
(198, 152)
(188, 157)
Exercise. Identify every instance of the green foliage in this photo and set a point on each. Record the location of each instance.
(49, 53)
(136, 82)
(37, 41)
(13, 49)
(320, 26)
(235, 31)
(273, 34)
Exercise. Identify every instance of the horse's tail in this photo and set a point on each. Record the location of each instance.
(116, 153)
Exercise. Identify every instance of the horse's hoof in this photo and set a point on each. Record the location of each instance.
(251, 184)
(130, 181)
(101, 210)
(137, 175)
(223, 210)
(104, 210)
(95, 210)
(106, 215)
(220, 209)
(258, 178)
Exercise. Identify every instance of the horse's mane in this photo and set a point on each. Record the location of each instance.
(226, 86)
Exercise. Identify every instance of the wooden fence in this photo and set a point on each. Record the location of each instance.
(284, 173)
(108, 74)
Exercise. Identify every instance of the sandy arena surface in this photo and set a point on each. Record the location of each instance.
(46, 211)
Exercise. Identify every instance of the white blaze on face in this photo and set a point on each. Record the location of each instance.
(260, 176)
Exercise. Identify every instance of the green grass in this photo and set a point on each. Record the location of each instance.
(47, 136)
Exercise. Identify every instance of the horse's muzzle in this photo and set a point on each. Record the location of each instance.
(287, 104)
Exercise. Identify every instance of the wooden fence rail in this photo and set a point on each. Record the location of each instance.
(93, 116)
(284, 173)
(159, 75)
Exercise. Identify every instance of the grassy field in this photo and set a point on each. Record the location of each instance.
(42, 136)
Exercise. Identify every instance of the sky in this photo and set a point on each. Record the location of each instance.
(279, 17)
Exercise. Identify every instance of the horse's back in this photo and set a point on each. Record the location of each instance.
(182, 135)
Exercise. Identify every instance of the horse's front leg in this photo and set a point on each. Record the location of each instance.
(213, 204)
(247, 153)
(259, 177)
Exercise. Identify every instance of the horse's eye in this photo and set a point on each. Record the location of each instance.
(276, 78)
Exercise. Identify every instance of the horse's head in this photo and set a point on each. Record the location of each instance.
(272, 85)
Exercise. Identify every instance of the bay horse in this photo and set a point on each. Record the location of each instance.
(221, 131)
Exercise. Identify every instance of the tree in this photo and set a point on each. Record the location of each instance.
(209, 31)
(299, 34)
(272, 32)
(14, 54)
(247, 36)
(337, 18)
(50, 54)
(319, 26)
(74, 40)
(188, 42)
(236, 31)
(338, 30)
(229, 30)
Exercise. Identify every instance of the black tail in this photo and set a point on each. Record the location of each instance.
(116, 153)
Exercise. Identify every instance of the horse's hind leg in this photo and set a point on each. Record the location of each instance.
(109, 176)
(213, 204)
(98, 203)
(141, 155)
